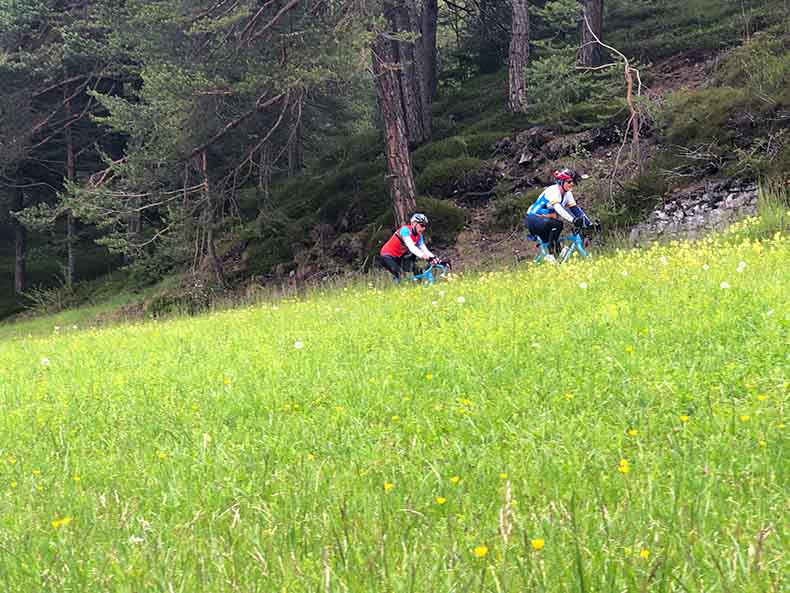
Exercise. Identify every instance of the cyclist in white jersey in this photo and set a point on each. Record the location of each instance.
(555, 204)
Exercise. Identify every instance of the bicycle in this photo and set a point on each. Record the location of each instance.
(432, 272)
(575, 244)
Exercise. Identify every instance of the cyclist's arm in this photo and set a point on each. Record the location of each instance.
(424, 248)
(578, 212)
(559, 209)
(409, 243)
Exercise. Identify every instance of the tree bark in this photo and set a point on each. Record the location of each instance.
(211, 249)
(590, 52)
(405, 56)
(20, 238)
(134, 227)
(419, 73)
(430, 17)
(518, 58)
(402, 190)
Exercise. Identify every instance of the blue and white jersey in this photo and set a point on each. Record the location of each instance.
(550, 197)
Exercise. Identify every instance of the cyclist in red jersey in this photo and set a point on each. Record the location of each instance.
(406, 245)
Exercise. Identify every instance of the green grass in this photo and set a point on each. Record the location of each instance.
(651, 30)
(612, 425)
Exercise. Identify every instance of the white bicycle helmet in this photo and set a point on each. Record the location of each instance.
(419, 218)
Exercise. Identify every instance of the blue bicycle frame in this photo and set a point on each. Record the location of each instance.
(429, 275)
(575, 243)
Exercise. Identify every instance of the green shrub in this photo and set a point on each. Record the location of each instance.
(562, 96)
(440, 177)
(426, 154)
(447, 220)
(263, 255)
(702, 117)
(481, 144)
(638, 197)
(508, 212)
(354, 208)
(652, 30)
(359, 147)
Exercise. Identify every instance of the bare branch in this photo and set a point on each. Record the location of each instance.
(239, 120)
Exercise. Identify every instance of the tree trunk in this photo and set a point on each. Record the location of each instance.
(430, 16)
(20, 236)
(590, 52)
(402, 191)
(400, 17)
(296, 140)
(134, 227)
(518, 58)
(211, 249)
(419, 73)
(70, 222)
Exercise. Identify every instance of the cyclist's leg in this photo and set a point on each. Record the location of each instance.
(392, 265)
(537, 227)
(554, 229)
(407, 263)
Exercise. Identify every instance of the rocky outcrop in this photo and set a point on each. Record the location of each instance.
(695, 213)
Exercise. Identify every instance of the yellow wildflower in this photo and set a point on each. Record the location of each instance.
(480, 551)
(441, 500)
(455, 479)
(538, 544)
(61, 522)
(632, 432)
(684, 418)
(388, 486)
(644, 554)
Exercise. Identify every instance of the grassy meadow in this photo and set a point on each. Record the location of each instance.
(616, 424)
